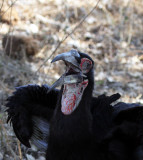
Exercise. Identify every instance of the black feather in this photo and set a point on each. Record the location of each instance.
(26, 102)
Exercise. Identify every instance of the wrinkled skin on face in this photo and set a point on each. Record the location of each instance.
(74, 79)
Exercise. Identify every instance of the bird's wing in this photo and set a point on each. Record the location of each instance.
(101, 110)
(119, 128)
(30, 109)
(127, 130)
(127, 111)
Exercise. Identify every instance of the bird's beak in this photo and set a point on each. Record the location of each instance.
(69, 58)
(76, 76)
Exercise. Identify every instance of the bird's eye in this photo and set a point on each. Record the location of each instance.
(85, 65)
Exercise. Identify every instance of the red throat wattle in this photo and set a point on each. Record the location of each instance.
(71, 96)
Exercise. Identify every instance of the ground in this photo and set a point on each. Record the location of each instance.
(112, 35)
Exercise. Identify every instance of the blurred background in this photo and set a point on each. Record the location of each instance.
(31, 31)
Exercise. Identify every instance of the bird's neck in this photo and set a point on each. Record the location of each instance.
(82, 111)
(74, 128)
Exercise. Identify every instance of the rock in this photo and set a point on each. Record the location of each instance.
(1, 156)
(30, 157)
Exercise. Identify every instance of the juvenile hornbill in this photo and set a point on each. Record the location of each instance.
(71, 124)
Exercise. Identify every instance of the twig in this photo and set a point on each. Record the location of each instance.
(10, 28)
(1, 5)
(19, 149)
(9, 7)
(59, 44)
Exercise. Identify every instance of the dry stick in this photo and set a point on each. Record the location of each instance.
(1, 11)
(12, 32)
(19, 149)
(1, 5)
(6, 10)
(9, 7)
(123, 19)
(59, 44)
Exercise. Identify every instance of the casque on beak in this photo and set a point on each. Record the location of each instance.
(70, 58)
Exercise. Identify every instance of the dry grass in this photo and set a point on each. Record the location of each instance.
(112, 35)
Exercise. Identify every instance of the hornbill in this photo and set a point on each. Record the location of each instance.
(71, 124)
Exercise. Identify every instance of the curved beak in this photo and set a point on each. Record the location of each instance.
(69, 58)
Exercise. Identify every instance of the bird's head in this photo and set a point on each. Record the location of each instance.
(77, 77)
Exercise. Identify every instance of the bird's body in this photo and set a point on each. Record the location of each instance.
(71, 124)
